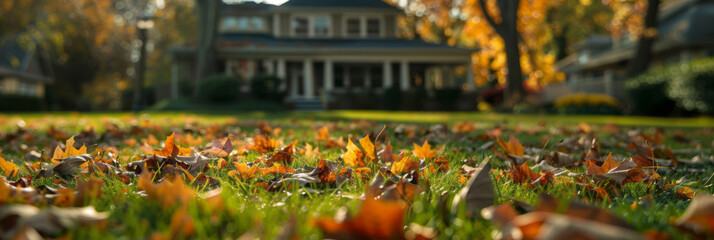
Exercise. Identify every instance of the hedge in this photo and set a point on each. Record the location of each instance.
(688, 86)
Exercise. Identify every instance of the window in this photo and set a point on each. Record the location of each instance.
(27, 89)
(321, 26)
(242, 24)
(257, 23)
(373, 28)
(353, 27)
(300, 26)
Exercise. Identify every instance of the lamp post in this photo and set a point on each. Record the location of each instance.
(142, 25)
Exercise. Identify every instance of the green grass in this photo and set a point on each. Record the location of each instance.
(249, 209)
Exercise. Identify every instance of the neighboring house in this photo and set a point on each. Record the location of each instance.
(685, 32)
(23, 72)
(328, 51)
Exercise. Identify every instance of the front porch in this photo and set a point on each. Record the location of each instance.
(336, 81)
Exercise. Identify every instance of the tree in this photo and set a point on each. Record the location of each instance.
(638, 19)
(575, 20)
(512, 38)
(207, 27)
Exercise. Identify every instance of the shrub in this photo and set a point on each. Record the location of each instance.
(218, 88)
(266, 87)
(688, 86)
(587, 103)
(393, 97)
(20, 103)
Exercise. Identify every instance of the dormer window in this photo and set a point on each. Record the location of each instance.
(311, 26)
(353, 27)
(373, 27)
(300, 26)
(370, 26)
(321, 26)
(242, 24)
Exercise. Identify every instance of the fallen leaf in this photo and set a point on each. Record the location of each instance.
(698, 219)
(7, 168)
(478, 193)
(377, 219)
(171, 149)
(405, 164)
(513, 146)
(69, 151)
(424, 151)
(48, 222)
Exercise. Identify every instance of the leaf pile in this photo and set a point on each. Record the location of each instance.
(405, 181)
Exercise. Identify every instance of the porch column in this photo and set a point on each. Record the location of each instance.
(470, 75)
(307, 78)
(608, 82)
(404, 75)
(328, 76)
(293, 82)
(276, 24)
(367, 77)
(229, 66)
(387, 74)
(346, 76)
(269, 66)
(281, 74)
(174, 80)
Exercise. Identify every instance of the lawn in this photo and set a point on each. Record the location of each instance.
(169, 175)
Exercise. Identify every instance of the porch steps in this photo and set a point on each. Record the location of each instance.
(308, 105)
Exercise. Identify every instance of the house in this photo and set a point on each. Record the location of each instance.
(328, 52)
(599, 63)
(23, 72)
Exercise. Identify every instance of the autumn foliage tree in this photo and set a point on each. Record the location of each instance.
(512, 38)
(638, 19)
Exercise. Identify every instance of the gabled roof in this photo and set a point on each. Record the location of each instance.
(338, 4)
(23, 63)
(681, 23)
(245, 6)
(268, 44)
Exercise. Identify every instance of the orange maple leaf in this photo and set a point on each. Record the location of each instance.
(377, 219)
(594, 169)
(69, 151)
(405, 164)
(263, 144)
(276, 169)
(243, 171)
(168, 193)
(424, 151)
(513, 146)
(323, 134)
(171, 149)
(355, 157)
(523, 174)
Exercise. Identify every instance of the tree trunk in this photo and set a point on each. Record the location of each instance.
(641, 60)
(205, 56)
(514, 90)
(508, 31)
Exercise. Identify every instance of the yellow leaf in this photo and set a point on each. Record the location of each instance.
(405, 165)
(368, 148)
(425, 151)
(8, 168)
(68, 151)
(353, 157)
